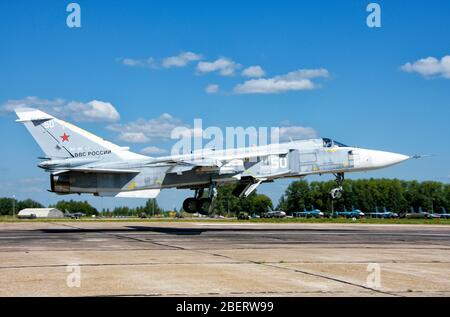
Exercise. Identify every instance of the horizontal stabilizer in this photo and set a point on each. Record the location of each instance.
(29, 114)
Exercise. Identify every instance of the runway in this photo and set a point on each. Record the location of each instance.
(223, 259)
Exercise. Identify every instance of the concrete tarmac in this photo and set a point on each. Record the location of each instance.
(223, 259)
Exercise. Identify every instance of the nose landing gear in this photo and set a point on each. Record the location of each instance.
(336, 193)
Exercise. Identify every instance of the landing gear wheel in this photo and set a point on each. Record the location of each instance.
(199, 204)
(203, 206)
(190, 205)
(336, 193)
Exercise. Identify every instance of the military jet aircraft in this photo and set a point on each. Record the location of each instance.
(75, 215)
(274, 214)
(313, 213)
(420, 214)
(444, 214)
(354, 213)
(382, 214)
(82, 163)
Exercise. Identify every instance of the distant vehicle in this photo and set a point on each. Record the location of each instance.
(354, 213)
(383, 214)
(243, 216)
(314, 213)
(420, 214)
(143, 215)
(256, 216)
(274, 214)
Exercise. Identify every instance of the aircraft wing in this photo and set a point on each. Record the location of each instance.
(183, 164)
(188, 165)
(214, 159)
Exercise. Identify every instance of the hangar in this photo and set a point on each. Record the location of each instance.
(32, 213)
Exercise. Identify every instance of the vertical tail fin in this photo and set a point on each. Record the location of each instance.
(59, 139)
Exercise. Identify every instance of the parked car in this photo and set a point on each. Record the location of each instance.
(243, 216)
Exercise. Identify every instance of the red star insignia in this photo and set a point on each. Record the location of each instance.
(64, 137)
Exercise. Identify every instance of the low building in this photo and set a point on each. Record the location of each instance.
(32, 213)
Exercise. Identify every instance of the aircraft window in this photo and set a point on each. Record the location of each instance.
(339, 144)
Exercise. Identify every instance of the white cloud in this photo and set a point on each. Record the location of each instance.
(272, 85)
(430, 67)
(181, 59)
(152, 150)
(92, 111)
(296, 133)
(145, 63)
(253, 71)
(141, 130)
(212, 89)
(223, 65)
(32, 102)
(293, 81)
(133, 137)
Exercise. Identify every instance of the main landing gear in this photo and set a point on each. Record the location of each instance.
(200, 204)
(336, 193)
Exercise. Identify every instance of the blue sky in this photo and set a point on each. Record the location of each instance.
(368, 98)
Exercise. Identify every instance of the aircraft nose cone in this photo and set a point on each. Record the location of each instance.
(380, 158)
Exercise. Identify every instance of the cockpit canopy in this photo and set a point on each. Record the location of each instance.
(331, 143)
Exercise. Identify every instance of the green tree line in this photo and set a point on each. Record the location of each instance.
(151, 208)
(364, 194)
(367, 194)
(10, 205)
(226, 203)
